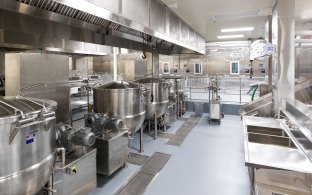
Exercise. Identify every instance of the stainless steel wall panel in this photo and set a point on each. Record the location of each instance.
(111, 5)
(141, 15)
(304, 61)
(25, 69)
(192, 39)
(158, 17)
(174, 25)
(184, 37)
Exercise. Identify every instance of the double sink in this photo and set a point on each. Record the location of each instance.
(277, 136)
(267, 135)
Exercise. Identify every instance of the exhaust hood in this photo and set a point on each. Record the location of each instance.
(124, 20)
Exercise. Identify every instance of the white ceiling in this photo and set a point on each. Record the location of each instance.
(198, 14)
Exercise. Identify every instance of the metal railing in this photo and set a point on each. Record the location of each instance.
(232, 89)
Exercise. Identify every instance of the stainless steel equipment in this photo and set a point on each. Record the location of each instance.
(214, 101)
(147, 18)
(111, 142)
(157, 99)
(264, 107)
(119, 110)
(77, 175)
(70, 138)
(27, 144)
(156, 102)
(75, 169)
(176, 97)
(123, 101)
(112, 147)
(279, 151)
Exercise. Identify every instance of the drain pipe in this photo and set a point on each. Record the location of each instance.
(286, 49)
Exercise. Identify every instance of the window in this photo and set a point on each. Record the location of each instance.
(234, 67)
(198, 68)
(166, 68)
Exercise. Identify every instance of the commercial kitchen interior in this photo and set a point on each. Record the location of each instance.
(152, 97)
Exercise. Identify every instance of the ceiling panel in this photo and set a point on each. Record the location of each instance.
(198, 13)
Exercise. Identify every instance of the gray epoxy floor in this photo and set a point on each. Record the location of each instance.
(210, 161)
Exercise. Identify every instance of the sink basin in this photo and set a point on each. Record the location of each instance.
(266, 131)
(271, 136)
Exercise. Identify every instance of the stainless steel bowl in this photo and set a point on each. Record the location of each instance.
(157, 98)
(123, 101)
(27, 144)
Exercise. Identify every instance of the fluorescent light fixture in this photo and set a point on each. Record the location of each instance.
(237, 29)
(229, 36)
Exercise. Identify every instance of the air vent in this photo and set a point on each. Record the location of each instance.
(241, 14)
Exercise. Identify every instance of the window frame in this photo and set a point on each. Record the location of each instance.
(238, 68)
(163, 67)
(201, 68)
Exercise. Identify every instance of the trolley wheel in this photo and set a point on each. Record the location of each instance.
(209, 121)
(124, 165)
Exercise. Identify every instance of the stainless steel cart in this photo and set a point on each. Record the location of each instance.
(215, 113)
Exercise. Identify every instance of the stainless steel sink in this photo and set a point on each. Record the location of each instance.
(272, 136)
(266, 131)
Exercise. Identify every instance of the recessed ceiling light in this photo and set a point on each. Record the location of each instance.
(237, 29)
(229, 36)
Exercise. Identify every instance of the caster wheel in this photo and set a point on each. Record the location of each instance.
(219, 123)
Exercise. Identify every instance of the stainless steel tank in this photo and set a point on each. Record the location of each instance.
(27, 144)
(157, 98)
(123, 101)
(177, 83)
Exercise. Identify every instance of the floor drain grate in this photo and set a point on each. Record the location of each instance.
(183, 131)
(137, 159)
(139, 183)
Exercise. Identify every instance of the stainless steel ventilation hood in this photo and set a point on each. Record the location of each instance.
(85, 26)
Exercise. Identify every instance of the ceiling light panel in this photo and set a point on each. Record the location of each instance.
(229, 36)
(247, 13)
(237, 29)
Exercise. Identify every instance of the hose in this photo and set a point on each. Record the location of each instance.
(253, 93)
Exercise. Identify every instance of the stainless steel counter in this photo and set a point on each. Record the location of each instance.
(269, 145)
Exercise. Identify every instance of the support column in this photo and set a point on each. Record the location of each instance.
(286, 45)
(153, 64)
(155, 61)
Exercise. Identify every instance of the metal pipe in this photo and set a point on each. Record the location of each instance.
(270, 69)
(240, 90)
(190, 87)
(141, 140)
(115, 62)
(155, 123)
(62, 151)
